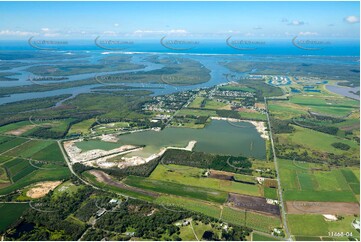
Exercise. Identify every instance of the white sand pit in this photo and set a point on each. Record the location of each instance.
(42, 188)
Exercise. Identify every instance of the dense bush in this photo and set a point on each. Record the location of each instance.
(281, 126)
(341, 146)
(140, 170)
(208, 161)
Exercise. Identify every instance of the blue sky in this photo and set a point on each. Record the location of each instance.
(83, 20)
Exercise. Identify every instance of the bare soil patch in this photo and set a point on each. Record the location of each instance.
(103, 177)
(246, 110)
(222, 175)
(21, 130)
(257, 204)
(303, 207)
(42, 188)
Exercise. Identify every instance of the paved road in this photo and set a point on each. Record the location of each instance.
(190, 100)
(280, 195)
(71, 167)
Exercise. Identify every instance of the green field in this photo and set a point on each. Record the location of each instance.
(10, 213)
(18, 168)
(270, 193)
(334, 106)
(196, 102)
(285, 109)
(14, 126)
(51, 153)
(212, 104)
(193, 177)
(3, 159)
(197, 112)
(256, 221)
(82, 127)
(301, 182)
(29, 148)
(239, 88)
(180, 203)
(187, 234)
(11, 143)
(206, 194)
(253, 116)
(3, 176)
(115, 189)
(261, 237)
(316, 225)
(352, 180)
(56, 173)
(318, 141)
(66, 187)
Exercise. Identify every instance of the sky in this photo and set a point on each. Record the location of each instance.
(86, 20)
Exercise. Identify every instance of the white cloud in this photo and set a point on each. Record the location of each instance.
(172, 31)
(296, 23)
(307, 33)
(109, 32)
(179, 32)
(249, 34)
(352, 19)
(116, 25)
(45, 29)
(17, 33)
(51, 34)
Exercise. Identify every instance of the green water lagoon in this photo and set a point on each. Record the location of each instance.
(219, 137)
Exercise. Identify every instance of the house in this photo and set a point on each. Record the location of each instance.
(100, 212)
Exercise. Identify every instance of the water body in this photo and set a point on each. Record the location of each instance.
(218, 75)
(219, 137)
(344, 91)
(209, 46)
(210, 61)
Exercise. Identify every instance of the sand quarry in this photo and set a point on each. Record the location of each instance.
(42, 188)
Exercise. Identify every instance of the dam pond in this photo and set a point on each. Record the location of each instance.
(219, 137)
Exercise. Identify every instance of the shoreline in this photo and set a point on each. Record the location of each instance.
(259, 125)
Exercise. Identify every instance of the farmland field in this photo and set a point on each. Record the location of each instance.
(257, 221)
(11, 143)
(50, 153)
(18, 168)
(196, 102)
(14, 126)
(319, 141)
(10, 213)
(181, 203)
(302, 182)
(52, 173)
(194, 177)
(331, 106)
(261, 237)
(206, 194)
(29, 148)
(317, 226)
(81, 127)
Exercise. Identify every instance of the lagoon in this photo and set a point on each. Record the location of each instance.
(219, 137)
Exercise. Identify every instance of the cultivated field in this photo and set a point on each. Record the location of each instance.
(192, 176)
(315, 183)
